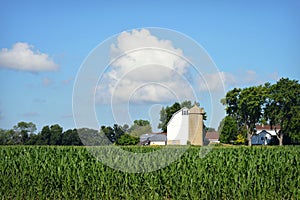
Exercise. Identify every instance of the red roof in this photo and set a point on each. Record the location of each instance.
(267, 127)
(212, 135)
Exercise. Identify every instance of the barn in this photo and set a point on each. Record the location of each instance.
(186, 126)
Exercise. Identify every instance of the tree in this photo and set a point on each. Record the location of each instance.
(93, 137)
(112, 133)
(228, 130)
(283, 108)
(55, 134)
(4, 137)
(240, 139)
(71, 137)
(166, 114)
(139, 128)
(12, 137)
(23, 131)
(45, 136)
(118, 130)
(250, 105)
(127, 139)
(246, 107)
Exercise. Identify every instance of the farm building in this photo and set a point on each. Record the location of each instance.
(265, 135)
(153, 139)
(186, 125)
(212, 137)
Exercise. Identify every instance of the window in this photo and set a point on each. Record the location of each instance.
(185, 112)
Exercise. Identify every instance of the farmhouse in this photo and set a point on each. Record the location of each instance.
(212, 137)
(153, 139)
(186, 125)
(265, 135)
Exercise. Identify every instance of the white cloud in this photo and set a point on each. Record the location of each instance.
(147, 69)
(23, 57)
(242, 78)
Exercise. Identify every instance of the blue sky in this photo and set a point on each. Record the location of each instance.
(250, 41)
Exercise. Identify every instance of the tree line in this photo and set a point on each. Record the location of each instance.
(267, 104)
(24, 133)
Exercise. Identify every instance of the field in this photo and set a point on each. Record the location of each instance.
(48, 172)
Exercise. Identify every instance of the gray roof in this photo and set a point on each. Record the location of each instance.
(153, 137)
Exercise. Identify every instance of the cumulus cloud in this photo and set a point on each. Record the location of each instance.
(22, 56)
(242, 78)
(146, 69)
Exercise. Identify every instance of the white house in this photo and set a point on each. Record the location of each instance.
(186, 125)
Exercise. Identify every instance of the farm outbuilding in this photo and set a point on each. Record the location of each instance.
(264, 138)
(153, 139)
(212, 137)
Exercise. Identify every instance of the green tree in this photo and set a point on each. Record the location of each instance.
(228, 130)
(45, 135)
(283, 108)
(55, 134)
(23, 131)
(139, 128)
(71, 137)
(12, 137)
(4, 137)
(109, 133)
(93, 137)
(127, 139)
(246, 107)
(188, 104)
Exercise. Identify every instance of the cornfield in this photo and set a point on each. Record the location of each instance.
(46, 172)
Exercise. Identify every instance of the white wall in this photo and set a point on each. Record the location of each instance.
(158, 143)
(178, 127)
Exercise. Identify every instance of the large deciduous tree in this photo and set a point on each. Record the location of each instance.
(71, 137)
(228, 130)
(283, 108)
(139, 128)
(56, 134)
(246, 107)
(23, 131)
